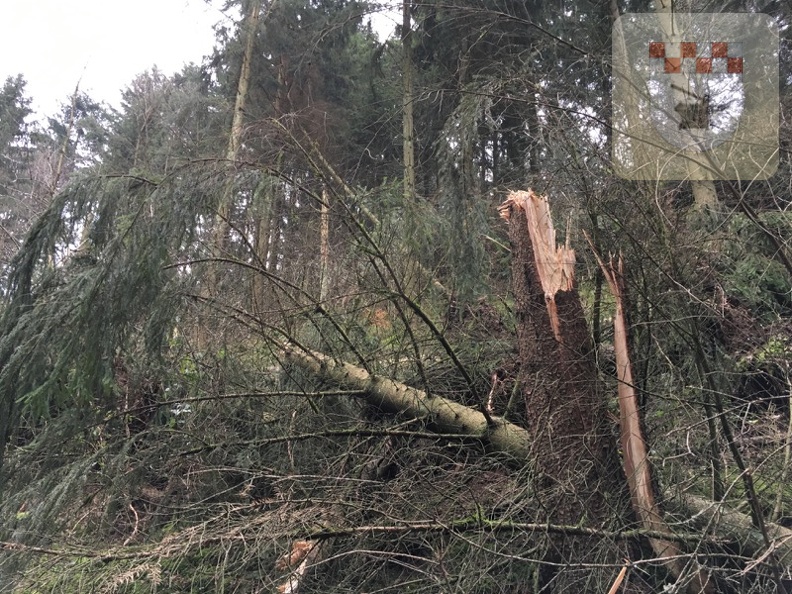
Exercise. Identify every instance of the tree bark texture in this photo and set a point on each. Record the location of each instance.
(563, 408)
(444, 415)
(716, 518)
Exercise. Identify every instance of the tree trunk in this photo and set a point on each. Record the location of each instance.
(262, 200)
(716, 518)
(407, 104)
(324, 247)
(235, 137)
(222, 221)
(64, 149)
(563, 408)
(635, 456)
(577, 479)
(445, 415)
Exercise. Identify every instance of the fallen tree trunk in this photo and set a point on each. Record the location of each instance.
(732, 525)
(450, 417)
(445, 415)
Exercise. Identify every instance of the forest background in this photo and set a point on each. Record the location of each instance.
(264, 328)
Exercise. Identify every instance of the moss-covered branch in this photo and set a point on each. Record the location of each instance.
(445, 415)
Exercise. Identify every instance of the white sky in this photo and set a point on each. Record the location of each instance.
(102, 44)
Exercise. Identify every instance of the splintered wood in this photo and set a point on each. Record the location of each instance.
(304, 553)
(634, 451)
(635, 456)
(555, 265)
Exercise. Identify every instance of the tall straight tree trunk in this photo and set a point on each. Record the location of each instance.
(222, 223)
(235, 138)
(64, 149)
(274, 239)
(263, 199)
(324, 247)
(407, 104)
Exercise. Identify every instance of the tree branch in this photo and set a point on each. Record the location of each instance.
(447, 416)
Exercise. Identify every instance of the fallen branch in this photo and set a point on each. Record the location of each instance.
(483, 524)
(619, 579)
(445, 415)
(356, 432)
(736, 526)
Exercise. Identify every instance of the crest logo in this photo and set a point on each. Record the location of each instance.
(695, 96)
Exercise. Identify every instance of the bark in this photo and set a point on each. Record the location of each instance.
(274, 228)
(263, 199)
(244, 81)
(235, 138)
(577, 481)
(64, 150)
(733, 525)
(222, 222)
(563, 408)
(450, 417)
(576, 469)
(445, 415)
(324, 247)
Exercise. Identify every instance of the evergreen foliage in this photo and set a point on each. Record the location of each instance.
(155, 439)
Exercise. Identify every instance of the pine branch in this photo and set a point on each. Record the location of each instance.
(322, 435)
(477, 524)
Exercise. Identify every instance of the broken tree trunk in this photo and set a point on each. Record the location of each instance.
(577, 473)
(563, 407)
(578, 480)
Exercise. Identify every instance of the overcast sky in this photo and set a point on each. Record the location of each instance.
(102, 44)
